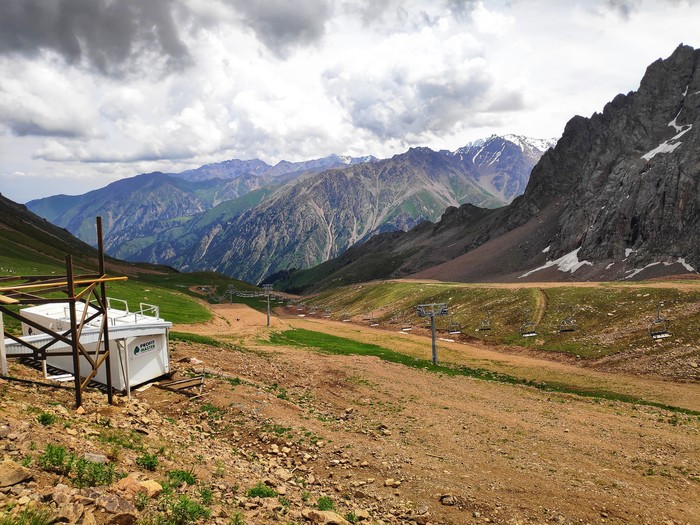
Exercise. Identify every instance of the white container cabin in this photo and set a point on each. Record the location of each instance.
(138, 342)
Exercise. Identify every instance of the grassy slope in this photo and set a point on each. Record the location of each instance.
(331, 344)
(32, 246)
(610, 318)
(169, 291)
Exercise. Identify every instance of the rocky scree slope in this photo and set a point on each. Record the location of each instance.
(163, 458)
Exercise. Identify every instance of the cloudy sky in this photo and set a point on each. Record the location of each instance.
(96, 90)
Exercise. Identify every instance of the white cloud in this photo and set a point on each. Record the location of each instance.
(307, 78)
(41, 99)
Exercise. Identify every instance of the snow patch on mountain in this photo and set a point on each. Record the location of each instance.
(671, 144)
(685, 265)
(565, 263)
(525, 143)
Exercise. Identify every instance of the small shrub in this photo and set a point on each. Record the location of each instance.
(284, 501)
(121, 438)
(46, 419)
(90, 474)
(147, 461)
(236, 519)
(28, 516)
(141, 500)
(179, 477)
(261, 491)
(305, 495)
(234, 381)
(56, 459)
(350, 516)
(325, 503)
(186, 511)
(211, 410)
(206, 494)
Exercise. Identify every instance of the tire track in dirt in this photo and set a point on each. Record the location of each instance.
(541, 302)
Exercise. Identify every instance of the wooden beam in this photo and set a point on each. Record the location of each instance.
(8, 300)
(60, 283)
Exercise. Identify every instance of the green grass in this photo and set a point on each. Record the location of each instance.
(194, 338)
(46, 419)
(331, 344)
(121, 438)
(28, 516)
(175, 306)
(147, 461)
(89, 473)
(261, 491)
(185, 511)
(82, 472)
(325, 503)
(178, 478)
(56, 458)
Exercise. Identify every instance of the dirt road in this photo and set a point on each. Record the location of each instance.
(465, 450)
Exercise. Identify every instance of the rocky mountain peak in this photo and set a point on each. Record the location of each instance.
(627, 178)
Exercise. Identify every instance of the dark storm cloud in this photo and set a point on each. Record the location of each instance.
(623, 8)
(462, 8)
(114, 37)
(285, 24)
(25, 127)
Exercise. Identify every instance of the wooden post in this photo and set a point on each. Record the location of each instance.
(3, 356)
(74, 332)
(103, 306)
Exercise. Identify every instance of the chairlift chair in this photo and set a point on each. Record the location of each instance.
(658, 328)
(454, 328)
(346, 317)
(568, 324)
(406, 326)
(485, 325)
(327, 313)
(528, 327)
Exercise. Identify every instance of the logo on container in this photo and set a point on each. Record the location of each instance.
(143, 348)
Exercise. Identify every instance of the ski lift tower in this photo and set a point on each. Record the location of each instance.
(431, 311)
(267, 288)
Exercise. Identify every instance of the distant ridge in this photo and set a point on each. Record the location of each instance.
(249, 219)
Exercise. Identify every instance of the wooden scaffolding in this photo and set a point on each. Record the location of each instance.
(89, 289)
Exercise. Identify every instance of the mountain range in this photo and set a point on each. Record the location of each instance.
(618, 197)
(249, 219)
